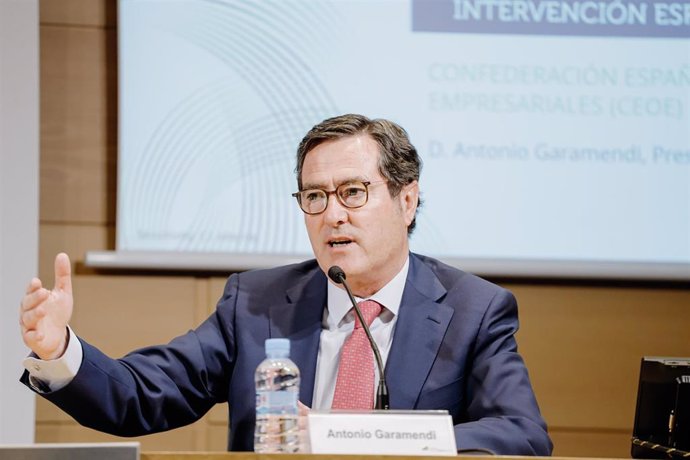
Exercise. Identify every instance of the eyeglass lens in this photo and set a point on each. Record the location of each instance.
(350, 195)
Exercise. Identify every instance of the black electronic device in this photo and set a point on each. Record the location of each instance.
(662, 415)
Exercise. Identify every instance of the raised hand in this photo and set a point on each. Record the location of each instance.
(44, 314)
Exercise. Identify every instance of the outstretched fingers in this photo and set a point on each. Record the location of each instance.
(63, 273)
(31, 309)
(34, 284)
(30, 318)
(34, 298)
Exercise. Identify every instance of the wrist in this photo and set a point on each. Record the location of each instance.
(61, 349)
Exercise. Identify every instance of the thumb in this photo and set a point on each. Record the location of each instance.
(63, 273)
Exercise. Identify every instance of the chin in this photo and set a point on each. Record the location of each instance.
(349, 268)
(353, 272)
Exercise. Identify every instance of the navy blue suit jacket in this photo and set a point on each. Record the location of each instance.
(453, 348)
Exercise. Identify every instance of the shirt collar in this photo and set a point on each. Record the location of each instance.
(389, 296)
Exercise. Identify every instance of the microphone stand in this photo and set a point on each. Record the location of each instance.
(382, 402)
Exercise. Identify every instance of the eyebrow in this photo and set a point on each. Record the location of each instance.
(321, 186)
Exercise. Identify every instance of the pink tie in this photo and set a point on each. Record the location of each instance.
(354, 388)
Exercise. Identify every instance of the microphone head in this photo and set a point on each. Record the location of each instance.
(336, 274)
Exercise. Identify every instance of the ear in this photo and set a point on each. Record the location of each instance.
(409, 197)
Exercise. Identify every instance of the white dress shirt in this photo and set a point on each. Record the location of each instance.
(55, 373)
(338, 323)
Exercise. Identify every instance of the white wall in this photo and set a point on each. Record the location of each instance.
(19, 154)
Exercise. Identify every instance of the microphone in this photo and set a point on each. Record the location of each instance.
(337, 275)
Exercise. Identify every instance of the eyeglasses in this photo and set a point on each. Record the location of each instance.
(350, 194)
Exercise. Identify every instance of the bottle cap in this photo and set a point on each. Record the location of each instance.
(278, 346)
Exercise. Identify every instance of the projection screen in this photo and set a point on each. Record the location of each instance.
(555, 135)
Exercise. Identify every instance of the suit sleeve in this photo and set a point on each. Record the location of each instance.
(155, 388)
(501, 403)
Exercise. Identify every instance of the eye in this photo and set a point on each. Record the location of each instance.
(352, 191)
(312, 195)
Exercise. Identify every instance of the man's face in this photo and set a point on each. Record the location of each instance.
(368, 243)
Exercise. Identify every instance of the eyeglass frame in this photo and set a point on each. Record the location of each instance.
(328, 193)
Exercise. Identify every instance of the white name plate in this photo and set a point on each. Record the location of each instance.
(382, 432)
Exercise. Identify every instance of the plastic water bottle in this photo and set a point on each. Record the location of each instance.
(277, 393)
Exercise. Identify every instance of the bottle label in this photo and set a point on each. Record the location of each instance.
(276, 402)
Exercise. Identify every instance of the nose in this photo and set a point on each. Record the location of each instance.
(335, 213)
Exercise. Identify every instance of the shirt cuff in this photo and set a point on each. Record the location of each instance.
(55, 374)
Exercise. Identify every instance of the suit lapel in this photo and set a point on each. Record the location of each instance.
(299, 319)
(421, 325)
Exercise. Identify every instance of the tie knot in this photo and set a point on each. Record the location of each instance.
(370, 310)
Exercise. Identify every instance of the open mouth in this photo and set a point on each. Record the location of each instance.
(339, 243)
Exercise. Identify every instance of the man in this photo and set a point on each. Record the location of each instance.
(447, 337)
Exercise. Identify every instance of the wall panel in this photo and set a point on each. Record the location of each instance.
(79, 13)
(579, 443)
(583, 346)
(78, 116)
(187, 438)
(74, 240)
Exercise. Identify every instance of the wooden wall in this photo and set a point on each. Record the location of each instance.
(582, 343)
